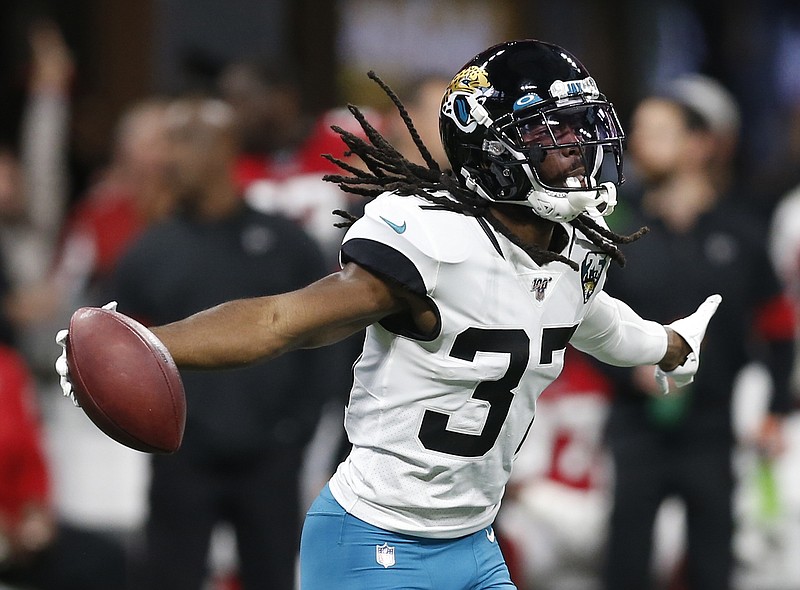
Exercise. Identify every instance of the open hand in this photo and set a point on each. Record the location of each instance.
(691, 329)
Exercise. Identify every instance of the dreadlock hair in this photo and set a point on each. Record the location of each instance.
(388, 170)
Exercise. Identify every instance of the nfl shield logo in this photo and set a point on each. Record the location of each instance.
(384, 555)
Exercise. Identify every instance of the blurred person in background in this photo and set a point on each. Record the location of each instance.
(421, 97)
(34, 188)
(247, 429)
(279, 138)
(281, 166)
(784, 515)
(784, 247)
(27, 521)
(98, 485)
(279, 170)
(34, 197)
(682, 143)
(553, 522)
(37, 550)
(33, 180)
(129, 194)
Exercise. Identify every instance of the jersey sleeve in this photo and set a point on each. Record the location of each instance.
(426, 236)
(400, 241)
(391, 240)
(613, 333)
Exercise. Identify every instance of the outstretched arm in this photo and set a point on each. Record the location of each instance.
(248, 330)
(613, 333)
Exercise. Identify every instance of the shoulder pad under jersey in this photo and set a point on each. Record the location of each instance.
(407, 224)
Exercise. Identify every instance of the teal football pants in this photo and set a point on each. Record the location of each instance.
(341, 552)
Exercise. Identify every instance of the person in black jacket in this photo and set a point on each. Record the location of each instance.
(682, 142)
(246, 428)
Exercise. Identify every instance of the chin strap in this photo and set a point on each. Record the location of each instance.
(567, 205)
(473, 185)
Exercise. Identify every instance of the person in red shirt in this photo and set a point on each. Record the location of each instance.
(130, 194)
(127, 196)
(27, 524)
(283, 146)
(279, 138)
(552, 524)
(37, 550)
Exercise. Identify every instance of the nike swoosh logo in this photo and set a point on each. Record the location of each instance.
(490, 535)
(398, 228)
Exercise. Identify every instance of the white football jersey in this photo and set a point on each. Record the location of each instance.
(436, 422)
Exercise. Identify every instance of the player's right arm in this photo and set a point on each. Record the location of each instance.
(248, 330)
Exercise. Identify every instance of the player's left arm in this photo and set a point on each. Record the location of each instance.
(615, 334)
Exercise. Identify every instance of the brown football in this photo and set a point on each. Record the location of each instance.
(125, 380)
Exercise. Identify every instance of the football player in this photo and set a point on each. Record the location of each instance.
(470, 283)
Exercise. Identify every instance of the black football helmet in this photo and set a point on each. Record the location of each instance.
(524, 122)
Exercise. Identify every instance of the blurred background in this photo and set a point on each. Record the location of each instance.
(78, 81)
(126, 51)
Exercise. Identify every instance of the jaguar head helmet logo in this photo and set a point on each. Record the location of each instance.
(469, 81)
